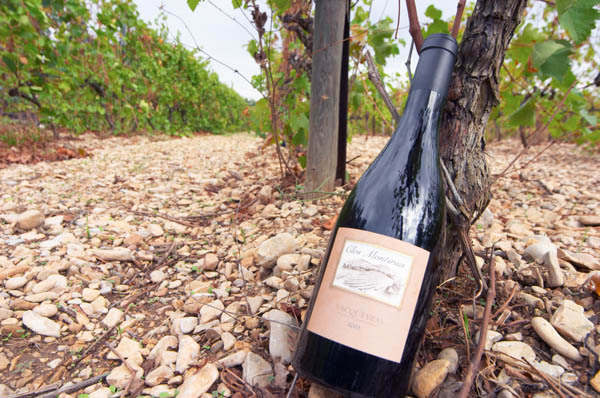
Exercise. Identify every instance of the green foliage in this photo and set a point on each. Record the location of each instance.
(106, 70)
(538, 83)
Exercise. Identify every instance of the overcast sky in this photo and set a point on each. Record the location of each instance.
(218, 35)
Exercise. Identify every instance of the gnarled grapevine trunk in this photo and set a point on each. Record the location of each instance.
(473, 93)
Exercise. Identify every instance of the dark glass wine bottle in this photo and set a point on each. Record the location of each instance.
(372, 297)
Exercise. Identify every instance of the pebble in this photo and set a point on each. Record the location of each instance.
(257, 371)
(156, 230)
(116, 254)
(451, 356)
(198, 383)
(40, 324)
(102, 392)
(90, 295)
(46, 310)
(555, 274)
(429, 377)
(254, 303)
(235, 359)
(30, 219)
(515, 349)
(120, 376)
(15, 282)
(228, 340)
(212, 311)
(547, 333)
(187, 353)
(590, 221)
(130, 350)
(210, 262)
(272, 248)
(570, 321)
(157, 276)
(158, 375)
(281, 336)
(184, 325)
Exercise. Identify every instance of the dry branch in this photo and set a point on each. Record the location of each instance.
(376, 80)
(414, 26)
(459, 12)
(474, 364)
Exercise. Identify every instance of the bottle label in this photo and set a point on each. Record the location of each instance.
(368, 293)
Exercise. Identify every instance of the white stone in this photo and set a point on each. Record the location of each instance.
(281, 337)
(46, 310)
(228, 340)
(555, 274)
(210, 262)
(113, 317)
(115, 254)
(156, 230)
(163, 344)
(41, 297)
(547, 333)
(211, 311)
(451, 356)
(184, 325)
(157, 276)
(15, 282)
(235, 359)
(571, 322)
(254, 303)
(30, 219)
(429, 377)
(102, 392)
(549, 369)
(187, 353)
(54, 282)
(90, 295)
(200, 382)
(272, 248)
(40, 324)
(515, 349)
(121, 376)
(158, 375)
(130, 350)
(257, 371)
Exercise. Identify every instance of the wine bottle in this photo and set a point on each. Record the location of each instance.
(371, 300)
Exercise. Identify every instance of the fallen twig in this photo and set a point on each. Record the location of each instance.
(73, 387)
(475, 361)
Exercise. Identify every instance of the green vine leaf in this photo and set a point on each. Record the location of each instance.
(578, 17)
(193, 4)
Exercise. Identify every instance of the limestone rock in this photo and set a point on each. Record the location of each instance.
(130, 350)
(429, 377)
(30, 219)
(515, 349)
(40, 324)
(547, 333)
(210, 262)
(235, 359)
(158, 375)
(281, 336)
(187, 353)
(116, 254)
(199, 383)
(272, 248)
(211, 311)
(257, 371)
(451, 356)
(113, 317)
(571, 322)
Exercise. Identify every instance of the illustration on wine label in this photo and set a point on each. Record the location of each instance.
(373, 271)
(368, 292)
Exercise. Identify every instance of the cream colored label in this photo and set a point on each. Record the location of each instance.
(369, 291)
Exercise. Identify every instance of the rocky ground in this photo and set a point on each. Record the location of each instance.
(183, 267)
